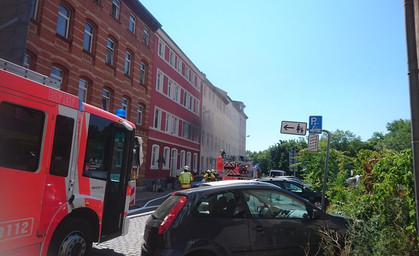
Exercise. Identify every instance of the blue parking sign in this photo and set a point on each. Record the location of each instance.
(315, 125)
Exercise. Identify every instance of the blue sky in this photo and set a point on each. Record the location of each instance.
(291, 59)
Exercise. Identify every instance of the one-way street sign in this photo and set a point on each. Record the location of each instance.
(296, 128)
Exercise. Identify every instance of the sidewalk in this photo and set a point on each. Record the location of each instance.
(146, 197)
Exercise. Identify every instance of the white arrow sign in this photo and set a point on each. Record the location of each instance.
(296, 128)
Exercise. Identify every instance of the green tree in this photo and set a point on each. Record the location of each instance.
(398, 137)
(346, 141)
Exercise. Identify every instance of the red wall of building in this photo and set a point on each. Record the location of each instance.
(46, 48)
(162, 101)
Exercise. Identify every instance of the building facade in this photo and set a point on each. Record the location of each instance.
(101, 50)
(175, 113)
(114, 55)
(223, 126)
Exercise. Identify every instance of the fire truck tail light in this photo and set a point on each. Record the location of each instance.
(171, 216)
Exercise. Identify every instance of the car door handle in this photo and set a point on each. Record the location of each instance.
(258, 228)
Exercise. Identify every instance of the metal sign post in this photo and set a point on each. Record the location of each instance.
(325, 171)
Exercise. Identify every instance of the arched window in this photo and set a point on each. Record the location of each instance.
(142, 73)
(110, 52)
(116, 8)
(188, 159)
(166, 155)
(63, 21)
(154, 157)
(88, 37)
(195, 161)
(182, 159)
(106, 100)
(83, 86)
(127, 65)
(173, 163)
(131, 24)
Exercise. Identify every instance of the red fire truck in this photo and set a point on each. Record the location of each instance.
(235, 168)
(64, 168)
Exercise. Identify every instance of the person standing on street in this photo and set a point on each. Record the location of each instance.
(185, 178)
(209, 176)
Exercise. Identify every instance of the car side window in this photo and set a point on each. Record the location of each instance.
(292, 187)
(221, 205)
(273, 204)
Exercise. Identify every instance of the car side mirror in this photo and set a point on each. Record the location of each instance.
(315, 214)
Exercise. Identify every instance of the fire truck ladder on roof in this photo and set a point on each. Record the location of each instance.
(29, 74)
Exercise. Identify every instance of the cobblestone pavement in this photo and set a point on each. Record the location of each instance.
(128, 245)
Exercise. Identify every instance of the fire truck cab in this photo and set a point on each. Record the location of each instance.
(64, 168)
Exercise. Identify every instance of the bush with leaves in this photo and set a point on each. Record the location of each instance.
(383, 206)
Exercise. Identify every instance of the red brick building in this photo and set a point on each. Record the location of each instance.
(101, 49)
(175, 112)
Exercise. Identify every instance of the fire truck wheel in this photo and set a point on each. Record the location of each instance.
(72, 237)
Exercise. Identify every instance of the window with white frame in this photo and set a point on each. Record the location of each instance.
(157, 118)
(190, 104)
(171, 58)
(116, 8)
(56, 74)
(63, 21)
(188, 159)
(161, 48)
(159, 82)
(191, 77)
(182, 159)
(197, 107)
(139, 114)
(195, 161)
(82, 90)
(184, 98)
(154, 157)
(146, 37)
(166, 155)
(169, 118)
(110, 48)
(173, 163)
(175, 130)
(177, 93)
(124, 104)
(88, 37)
(34, 9)
(169, 88)
(131, 24)
(187, 73)
(127, 66)
(142, 73)
(106, 99)
(178, 65)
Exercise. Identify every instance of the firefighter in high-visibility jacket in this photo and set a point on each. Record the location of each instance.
(185, 178)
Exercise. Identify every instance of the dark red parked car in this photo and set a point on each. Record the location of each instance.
(236, 218)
